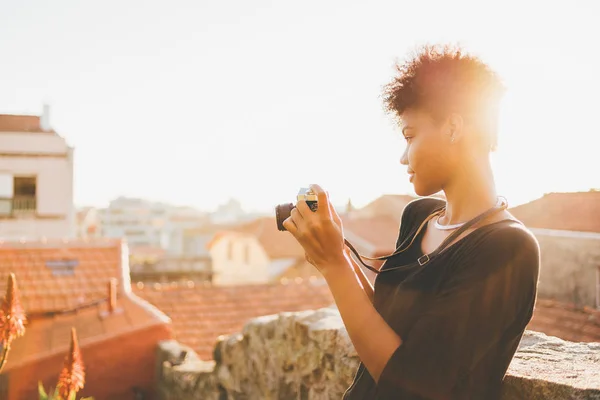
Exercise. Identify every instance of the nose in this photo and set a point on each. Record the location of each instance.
(404, 158)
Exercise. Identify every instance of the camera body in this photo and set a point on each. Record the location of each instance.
(283, 211)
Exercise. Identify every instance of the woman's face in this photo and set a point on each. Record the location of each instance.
(430, 154)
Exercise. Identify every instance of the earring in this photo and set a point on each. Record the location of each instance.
(452, 139)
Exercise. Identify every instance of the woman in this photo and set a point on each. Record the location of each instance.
(449, 308)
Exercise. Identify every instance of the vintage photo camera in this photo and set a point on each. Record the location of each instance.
(282, 211)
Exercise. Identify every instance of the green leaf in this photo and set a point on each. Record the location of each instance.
(42, 392)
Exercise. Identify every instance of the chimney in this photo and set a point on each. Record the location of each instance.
(112, 295)
(45, 119)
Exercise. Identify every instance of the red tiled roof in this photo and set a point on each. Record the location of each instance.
(200, 313)
(42, 270)
(566, 321)
(77, 297)
(301, 269)
(20, 123)
(47, 336)
(579, 211)
(390, 205)
(380, 232)
(275, 243)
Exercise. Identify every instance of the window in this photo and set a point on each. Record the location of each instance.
(62, 267)
(17, 194)
(24, 195)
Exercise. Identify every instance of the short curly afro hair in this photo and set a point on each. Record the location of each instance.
(442, 79)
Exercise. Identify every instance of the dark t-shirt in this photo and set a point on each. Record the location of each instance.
(460, 316)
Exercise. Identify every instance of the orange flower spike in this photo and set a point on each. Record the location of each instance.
(72, 376)
(12, 315)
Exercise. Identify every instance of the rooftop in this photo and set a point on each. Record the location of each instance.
(200, 313)
(377, 233)
(56, 275)
(390, 205)
(21, 123)
(65, 284)
(578, 211)
(566, 321)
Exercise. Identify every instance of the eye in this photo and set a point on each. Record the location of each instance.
(408, 138)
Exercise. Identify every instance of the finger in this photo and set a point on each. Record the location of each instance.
(296, 216)
(303, 209)
(290, 226)
(322, 198)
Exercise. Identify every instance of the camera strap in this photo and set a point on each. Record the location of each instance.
(425, 258)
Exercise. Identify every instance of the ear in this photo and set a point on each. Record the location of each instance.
(455, 125)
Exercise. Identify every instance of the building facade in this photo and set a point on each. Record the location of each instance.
(36, 180)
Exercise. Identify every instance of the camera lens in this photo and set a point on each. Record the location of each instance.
(282, 212)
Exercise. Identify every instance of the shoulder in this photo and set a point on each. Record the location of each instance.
(510, 236)
(419, 208)
(507, 245)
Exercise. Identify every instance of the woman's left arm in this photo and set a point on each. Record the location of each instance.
(320, 234)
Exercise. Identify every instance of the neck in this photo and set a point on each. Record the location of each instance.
(470, 192)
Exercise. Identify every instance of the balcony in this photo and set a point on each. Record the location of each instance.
(18, 206)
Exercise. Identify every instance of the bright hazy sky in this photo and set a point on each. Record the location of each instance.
(194, 102)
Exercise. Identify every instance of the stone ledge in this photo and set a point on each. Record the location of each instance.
(308, 355)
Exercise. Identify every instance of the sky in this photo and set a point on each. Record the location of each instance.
(196, 102)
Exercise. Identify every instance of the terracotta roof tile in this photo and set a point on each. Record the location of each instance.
(201, 313)
(579, 211)
(47, 336)
(44, 272)
(379, 232)
(301, 269)
(566, 321)
(20, 123)
(55, 302)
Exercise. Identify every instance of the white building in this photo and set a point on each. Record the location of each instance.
(36, 179)
(228, 213)
(180, 220)
(254, 252)
(139, 221)
(146, 224)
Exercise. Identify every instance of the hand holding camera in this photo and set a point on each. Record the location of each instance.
(317, 227)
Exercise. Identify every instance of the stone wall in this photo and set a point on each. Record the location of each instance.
(569, 265)
(308, 355)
